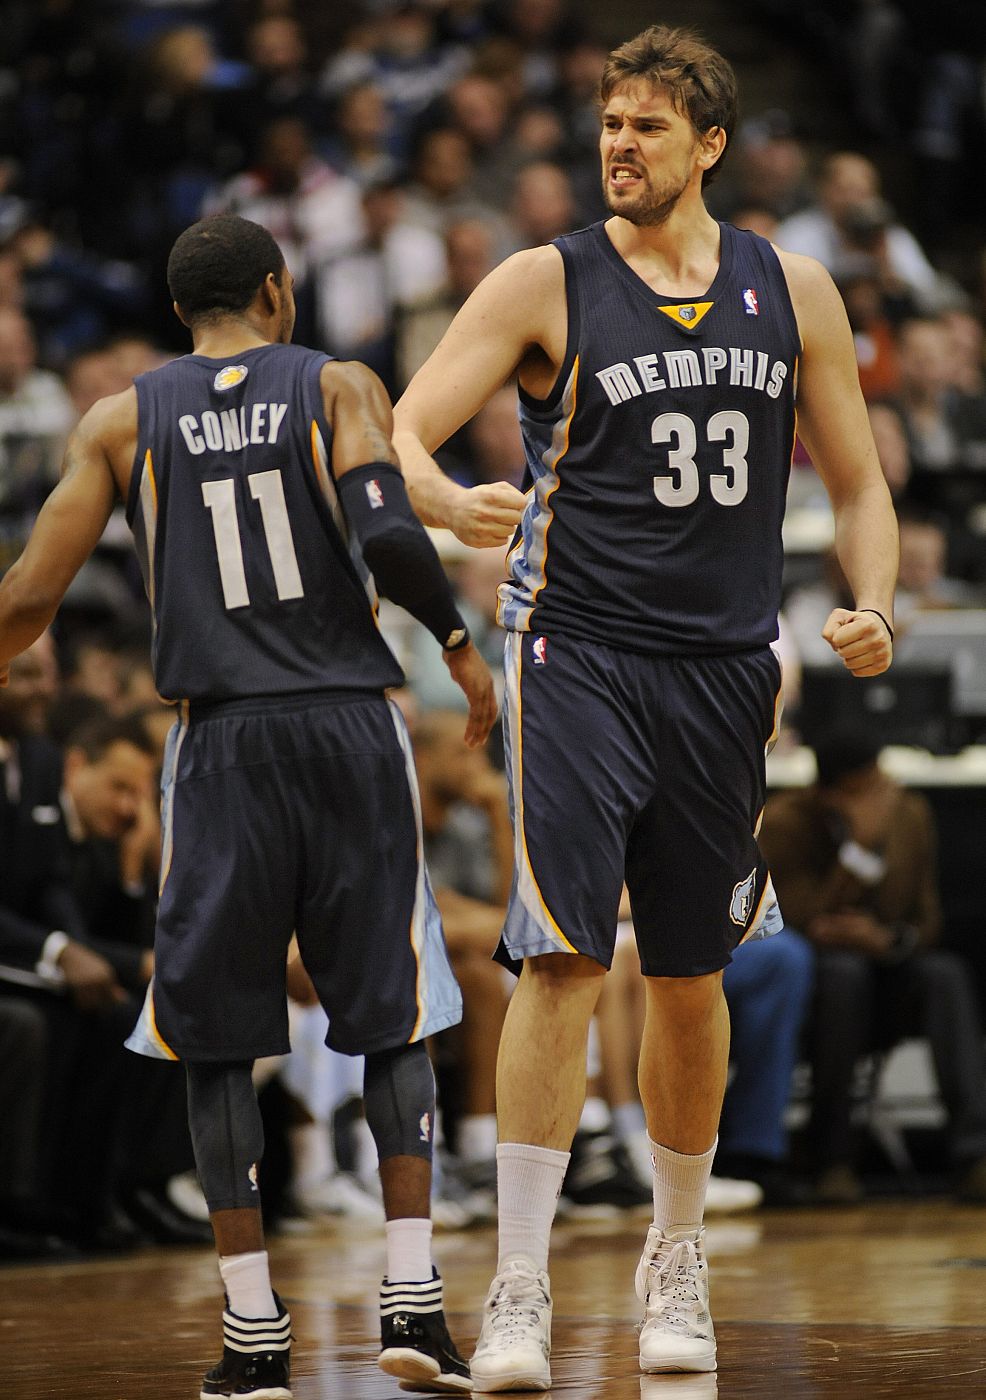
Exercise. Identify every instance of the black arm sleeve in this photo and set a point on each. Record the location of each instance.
(397, 550)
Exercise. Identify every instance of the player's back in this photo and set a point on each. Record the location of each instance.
(254, 585)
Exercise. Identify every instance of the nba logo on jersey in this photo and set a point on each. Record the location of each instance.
(375, 494)
(229, 377)
(742, 901)
(539, 648)
(750, 302)
(424, 1128)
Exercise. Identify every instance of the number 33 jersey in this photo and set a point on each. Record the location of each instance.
(254, 585)
(659, 465)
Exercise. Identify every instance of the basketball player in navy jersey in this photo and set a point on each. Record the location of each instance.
(260, 484)
(657, 355)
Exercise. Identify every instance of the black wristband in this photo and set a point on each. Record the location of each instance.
(877, 613)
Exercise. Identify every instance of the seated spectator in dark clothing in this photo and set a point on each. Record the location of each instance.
(853, 859)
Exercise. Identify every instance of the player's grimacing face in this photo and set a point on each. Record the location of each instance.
(648, 151)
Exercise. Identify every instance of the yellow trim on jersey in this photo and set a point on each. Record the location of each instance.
(519, 802)
(152, 1026)
(687, 313)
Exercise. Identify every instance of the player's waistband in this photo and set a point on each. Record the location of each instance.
(281, 703)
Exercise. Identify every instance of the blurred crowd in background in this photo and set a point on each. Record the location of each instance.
(398, 150)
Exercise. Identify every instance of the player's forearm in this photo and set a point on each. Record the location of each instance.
(27, 607)
(867, 543)
(433, 495)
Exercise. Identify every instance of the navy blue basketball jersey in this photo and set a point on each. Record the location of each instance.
(255, 587)
(659, 464)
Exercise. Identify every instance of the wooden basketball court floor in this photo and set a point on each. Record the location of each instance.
(884, 1300)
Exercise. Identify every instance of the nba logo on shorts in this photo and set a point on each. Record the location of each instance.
(374, 493)
(750, 302)
(539, 648)
(742, 901)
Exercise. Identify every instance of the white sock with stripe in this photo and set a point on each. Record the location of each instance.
(529, 1182)
(409, 1250)
(246, 1278)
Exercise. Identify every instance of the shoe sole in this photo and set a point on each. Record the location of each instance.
(679, 1364)
(520, 1381)
(266, 1392)
(421, 1373)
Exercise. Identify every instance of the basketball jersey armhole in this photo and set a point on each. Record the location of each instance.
(144, 433)
(549, 404)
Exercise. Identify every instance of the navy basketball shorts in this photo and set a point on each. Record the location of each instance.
(293, 815)
(643, 769)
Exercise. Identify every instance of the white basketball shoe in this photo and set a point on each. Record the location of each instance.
(515, 1341)
(673, 1284)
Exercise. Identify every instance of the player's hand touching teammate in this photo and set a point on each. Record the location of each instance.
(862, 639)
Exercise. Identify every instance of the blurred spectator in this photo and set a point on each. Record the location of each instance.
(496, 448)
(807, 607)
(757, 219)
(441, 179)
(279, 82)
(360, 144)
(92, 375)
(358, 293)
(945, 430)
(72, 297)
(469, 256)
(542, 205)
(36, 416)
(476, 574)
(314, 213)
(768, 169)
(540, 29)
(850, 218)
(891, 447)
(479, 107)
(967, 357)
(858, 280)
(853, 859)
(923, 583)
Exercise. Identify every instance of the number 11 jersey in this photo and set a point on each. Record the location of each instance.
(254, 584)
(659, 464)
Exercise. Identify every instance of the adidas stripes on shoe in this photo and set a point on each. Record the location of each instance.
(256, 1360)
(414, 1339)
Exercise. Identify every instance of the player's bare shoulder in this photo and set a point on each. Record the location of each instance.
(817, 304)
(108, 428)
(358, 407)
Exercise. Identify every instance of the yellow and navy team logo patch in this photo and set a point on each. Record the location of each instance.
(687, 313)
(229, 376)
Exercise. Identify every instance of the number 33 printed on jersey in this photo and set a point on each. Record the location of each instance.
(681, 488)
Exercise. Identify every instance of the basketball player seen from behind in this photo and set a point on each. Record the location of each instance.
(657, 355)
(260, 483)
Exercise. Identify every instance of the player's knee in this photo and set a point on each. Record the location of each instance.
(685, 998)
(399, 1101)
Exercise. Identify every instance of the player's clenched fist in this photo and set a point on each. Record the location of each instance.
(863, 639)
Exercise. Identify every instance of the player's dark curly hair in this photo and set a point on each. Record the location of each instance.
(701, 83)
(217, 266)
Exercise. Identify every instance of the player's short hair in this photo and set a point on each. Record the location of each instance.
(700, 82)
(217, 266)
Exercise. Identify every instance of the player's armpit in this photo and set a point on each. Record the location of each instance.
(65, 533)
(358, 410)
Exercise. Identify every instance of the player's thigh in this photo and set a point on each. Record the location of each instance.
(225, 914)
(577, 770)
(697, 880)
(368, 927)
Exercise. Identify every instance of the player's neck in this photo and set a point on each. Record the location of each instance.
(223, 340)
(680, 255)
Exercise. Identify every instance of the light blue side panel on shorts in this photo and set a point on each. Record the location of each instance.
(529, 929)
(438, 995)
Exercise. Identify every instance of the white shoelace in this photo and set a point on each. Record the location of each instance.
(674, 1298)
(515, 1310)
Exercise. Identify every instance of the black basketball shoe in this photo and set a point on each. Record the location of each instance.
(415, 1344)
(256, 1360)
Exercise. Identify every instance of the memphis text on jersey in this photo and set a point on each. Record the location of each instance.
(685, 369)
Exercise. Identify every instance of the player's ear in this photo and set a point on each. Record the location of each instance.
(270, 290)
(711, 145)
(181, 315)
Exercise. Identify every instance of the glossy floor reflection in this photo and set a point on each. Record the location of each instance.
(886, 1300)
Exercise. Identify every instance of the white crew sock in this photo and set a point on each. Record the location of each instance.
(246, 1278)
(476, 1138)
(529, 1182)
(408, 1251)
(680, 1183)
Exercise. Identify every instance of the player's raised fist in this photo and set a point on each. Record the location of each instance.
(862, 640)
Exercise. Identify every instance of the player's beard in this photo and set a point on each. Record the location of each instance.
(649, 208)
